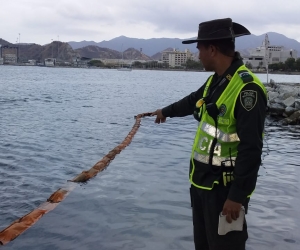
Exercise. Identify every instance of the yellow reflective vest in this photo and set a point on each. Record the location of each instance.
(225, 151)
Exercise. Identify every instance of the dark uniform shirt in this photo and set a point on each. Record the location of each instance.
(249, 126)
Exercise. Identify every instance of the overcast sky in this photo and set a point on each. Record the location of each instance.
(39, 21)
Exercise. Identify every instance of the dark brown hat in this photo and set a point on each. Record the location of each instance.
(219, 29)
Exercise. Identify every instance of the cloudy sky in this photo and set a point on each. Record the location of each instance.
(40, 21)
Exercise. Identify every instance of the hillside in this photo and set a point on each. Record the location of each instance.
(99, 52)
(4, 43)
(155, 45)
(60, 50)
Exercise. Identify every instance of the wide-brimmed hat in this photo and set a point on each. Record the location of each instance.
(219, 29)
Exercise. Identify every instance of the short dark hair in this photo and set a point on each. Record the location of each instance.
(225, 46)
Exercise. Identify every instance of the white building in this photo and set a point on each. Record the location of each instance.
(50, 62)
(10, 58)
(269, 54)
(30, 63)
(176, 58)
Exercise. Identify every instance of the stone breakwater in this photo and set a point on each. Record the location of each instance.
(284, 102)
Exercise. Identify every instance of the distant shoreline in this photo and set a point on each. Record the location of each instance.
(278, 72)
(163, 69)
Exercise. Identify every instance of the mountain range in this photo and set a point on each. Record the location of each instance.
(154, 45)
(134, 48)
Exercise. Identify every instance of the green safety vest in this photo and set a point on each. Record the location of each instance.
(225, 151)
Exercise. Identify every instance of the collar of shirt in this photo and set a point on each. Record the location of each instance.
(236, 63)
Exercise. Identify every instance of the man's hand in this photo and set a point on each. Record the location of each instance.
(232, 210)
(159, 116)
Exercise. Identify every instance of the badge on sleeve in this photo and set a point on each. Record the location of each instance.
(245, 76)
(248, 99)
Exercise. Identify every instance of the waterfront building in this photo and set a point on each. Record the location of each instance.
(50, 62)
(81, 62)
(176, 58)
(9, 54)
(268, 54)
(30, 63)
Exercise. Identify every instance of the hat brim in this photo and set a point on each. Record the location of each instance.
(238, 29)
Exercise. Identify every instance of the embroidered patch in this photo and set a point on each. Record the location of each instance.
(248, 99)
(222, 110)
(245, 76)
(228, 77)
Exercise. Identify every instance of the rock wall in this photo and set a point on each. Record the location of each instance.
(284, 102)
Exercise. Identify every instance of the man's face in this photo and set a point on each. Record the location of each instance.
(205, 56)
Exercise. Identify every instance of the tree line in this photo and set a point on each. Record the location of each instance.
(190, 64)
(291, 64)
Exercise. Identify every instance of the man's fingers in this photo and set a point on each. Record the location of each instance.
(159, 120)
(228, 218)
(237, 214)
(159, 116)
(233, 215)
(231, 209)
(224, 212)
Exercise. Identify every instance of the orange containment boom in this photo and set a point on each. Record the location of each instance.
(21, 225)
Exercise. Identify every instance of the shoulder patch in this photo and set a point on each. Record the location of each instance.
(248, 99)
(245, 76)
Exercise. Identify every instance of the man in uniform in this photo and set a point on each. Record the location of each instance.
(226, 154)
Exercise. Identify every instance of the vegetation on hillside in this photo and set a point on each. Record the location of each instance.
(191, 64)
(96, 63)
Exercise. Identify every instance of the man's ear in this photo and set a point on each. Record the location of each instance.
(213, 50)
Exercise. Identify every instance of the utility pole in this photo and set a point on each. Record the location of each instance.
(267, 43)
(57, 46)
(19, 48)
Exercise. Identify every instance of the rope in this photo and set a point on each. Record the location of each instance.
(21, 225)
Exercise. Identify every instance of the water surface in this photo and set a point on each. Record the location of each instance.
(55, 123)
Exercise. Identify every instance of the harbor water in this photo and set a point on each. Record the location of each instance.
(57, 122)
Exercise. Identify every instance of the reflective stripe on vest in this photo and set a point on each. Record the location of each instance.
(211, 130)
(216, 161)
